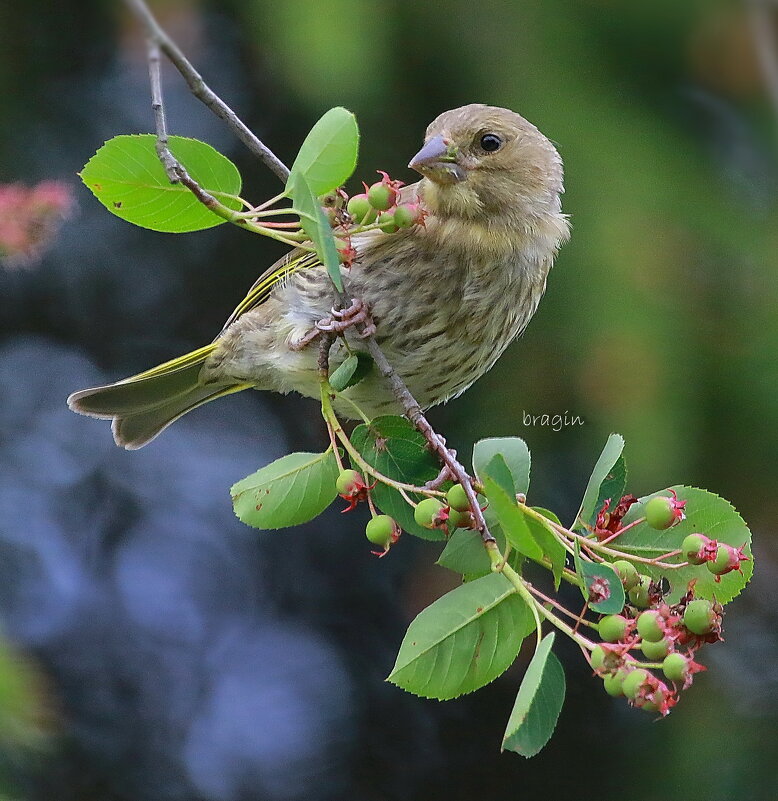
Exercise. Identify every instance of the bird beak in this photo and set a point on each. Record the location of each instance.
(437, 160)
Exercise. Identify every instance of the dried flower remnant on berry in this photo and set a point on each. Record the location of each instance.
(609, 522)
(351, 487)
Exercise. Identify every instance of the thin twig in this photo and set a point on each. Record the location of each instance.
(202, 91)
(158, 41)
(415, 414)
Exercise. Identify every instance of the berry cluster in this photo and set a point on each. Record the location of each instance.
(378, 207)
(431, 513)
(719, 557)
(668, 636)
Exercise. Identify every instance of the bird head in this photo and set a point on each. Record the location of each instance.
(483, 161)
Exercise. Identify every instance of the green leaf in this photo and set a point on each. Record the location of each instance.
(602, 470)
(126, 176)
(538, 703)
(328, 155)
(549, 544)
(352, 371)
(464, 640)
(316, 226)
(601, 572)
(706, 513)
(612, 488)
(395, 448)
(465, 553)
(512, 520)
(498, 470)
(515, 453)
(287, 492)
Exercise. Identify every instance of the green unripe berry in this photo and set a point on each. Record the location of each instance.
(348, 482)
(427, 511)
(660, 513)
(613, 628)
(638, 595)
(674, 667)
(613, 684)
(652, 706)
(386, 223)
(727, 559)
(692, 546)
(655, 651)
(634, 681)
(455, 518)
(699, 617)
(381, 196)
(405, 215)
(361, 210)
(651, 626)
(456, 498)
(598, 657)
(381, 530)
(627, 573)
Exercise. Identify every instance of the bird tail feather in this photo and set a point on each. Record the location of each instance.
(145, 404)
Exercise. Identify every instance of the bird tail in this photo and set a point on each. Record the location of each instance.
(143, 405)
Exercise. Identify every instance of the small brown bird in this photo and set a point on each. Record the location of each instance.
(446, 298)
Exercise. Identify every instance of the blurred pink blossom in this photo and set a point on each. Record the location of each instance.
(30, 217)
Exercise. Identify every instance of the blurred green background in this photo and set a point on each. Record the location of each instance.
(659, 320)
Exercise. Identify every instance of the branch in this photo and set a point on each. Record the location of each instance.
(415, 414)
(202, 91)
(159, 41)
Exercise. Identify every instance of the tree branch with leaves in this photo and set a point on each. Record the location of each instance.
(654, 572)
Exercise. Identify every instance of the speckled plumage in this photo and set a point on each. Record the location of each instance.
(447, 298)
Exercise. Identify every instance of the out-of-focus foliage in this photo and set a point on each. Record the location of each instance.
(659, 322)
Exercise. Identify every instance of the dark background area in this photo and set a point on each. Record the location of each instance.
(173, 653)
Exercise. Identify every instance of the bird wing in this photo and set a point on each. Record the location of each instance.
(287, 265)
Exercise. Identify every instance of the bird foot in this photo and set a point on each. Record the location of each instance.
(341, 320)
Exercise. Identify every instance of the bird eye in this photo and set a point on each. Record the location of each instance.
(490, 142)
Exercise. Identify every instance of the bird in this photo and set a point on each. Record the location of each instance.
(446, 298)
